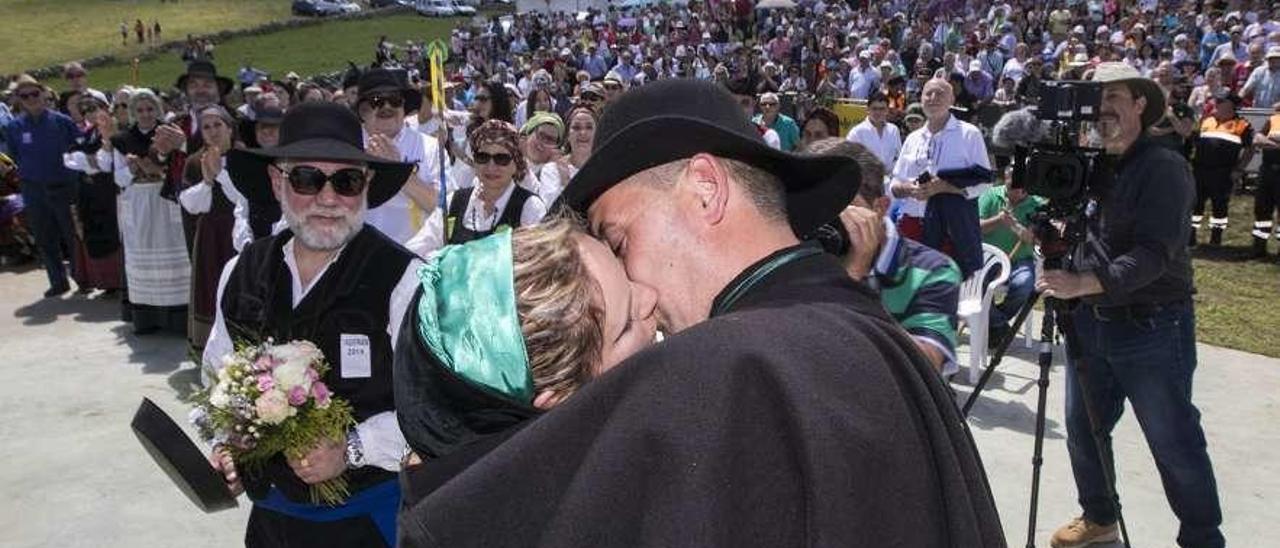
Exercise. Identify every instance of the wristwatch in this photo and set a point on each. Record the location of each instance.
(355, 450)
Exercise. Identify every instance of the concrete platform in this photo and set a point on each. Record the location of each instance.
(72, 473)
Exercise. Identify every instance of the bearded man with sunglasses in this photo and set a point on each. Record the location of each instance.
(343, 285)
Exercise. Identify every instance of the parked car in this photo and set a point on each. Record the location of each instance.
(461, 9)
(311, 8)
(337, 7)
(387, 3)
(436, 8)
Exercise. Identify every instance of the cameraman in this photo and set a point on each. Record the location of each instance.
(1135, 326)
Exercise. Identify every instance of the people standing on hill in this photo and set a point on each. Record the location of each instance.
(139, 29)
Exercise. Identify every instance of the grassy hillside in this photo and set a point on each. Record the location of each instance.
(42, 32)
(307, 50)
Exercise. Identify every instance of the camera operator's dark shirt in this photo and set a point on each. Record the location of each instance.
(1138, 231)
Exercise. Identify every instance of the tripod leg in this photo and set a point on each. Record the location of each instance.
(1101, 441)
(1045, 361)
(998, 354)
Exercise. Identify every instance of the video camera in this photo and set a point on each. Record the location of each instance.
(1049, 160)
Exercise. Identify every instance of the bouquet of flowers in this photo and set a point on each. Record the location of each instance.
(269, 399)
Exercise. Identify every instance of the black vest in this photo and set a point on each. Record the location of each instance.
(510, 216)
(350, 298)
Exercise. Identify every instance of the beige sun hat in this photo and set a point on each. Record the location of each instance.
(1117, 72)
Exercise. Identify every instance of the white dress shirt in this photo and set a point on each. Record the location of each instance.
(959, 145)
(394, 217)
(384, 445)
(476, 219)
(884, 143)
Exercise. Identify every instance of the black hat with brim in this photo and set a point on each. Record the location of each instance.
(204, 69)
(380, 80)
(316, 131)
(675, 119)
(180, 459)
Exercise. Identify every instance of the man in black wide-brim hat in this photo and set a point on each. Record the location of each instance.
(784, 408)
(333, 280)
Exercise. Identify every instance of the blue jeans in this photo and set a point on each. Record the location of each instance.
(48, 211)
(1022, 282)
(1150, 360)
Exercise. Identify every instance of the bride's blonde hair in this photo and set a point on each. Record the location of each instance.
(557, 301)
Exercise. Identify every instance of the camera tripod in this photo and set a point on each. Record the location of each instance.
(1056, 320)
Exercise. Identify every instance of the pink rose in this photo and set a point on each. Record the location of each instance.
(321, 393)
(263, 363)
(297, 396)
(265, 382)
(312, 375)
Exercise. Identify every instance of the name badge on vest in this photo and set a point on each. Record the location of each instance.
(26, 138)
(356, 361)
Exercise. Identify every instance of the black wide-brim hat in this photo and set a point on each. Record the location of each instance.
(381, 80)
(677, 118)
(207, 70)
(180, 459)
(316, 131)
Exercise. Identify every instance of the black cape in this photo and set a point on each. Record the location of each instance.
(802, 417)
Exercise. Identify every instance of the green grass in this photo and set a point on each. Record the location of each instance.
(43, 32)
(1238, 300)
(308, 50)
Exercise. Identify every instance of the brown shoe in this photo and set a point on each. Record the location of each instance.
(1082, 532)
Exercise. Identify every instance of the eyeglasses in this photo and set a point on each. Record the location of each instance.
(768, 105)
(393, 101)
(547, 139)
(28, 95)
(612, 86)
(482, 98)
(87, 108)
(308, 181)
(501, 159)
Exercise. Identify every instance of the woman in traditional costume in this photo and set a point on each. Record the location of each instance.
(544, 309)
(99, 260)
(210, 196)
(494, 199)
(157, 271)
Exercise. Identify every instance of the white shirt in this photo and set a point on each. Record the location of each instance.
(199, 199)
(959, 145)
(380, 435)
(476, 219)
(885, 143)
(862, 81)
(394, 217)
(545, 181)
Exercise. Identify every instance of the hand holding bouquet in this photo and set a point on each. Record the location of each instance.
(269, 399)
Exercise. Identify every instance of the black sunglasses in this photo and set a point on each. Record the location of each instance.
(393, 101)
(308, 181)
(29, 95)
(501, 158)
(482, 98)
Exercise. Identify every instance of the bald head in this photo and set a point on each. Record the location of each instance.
(937, 98)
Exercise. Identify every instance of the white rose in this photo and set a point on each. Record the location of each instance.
(290, 374)
(273, 407)
(219, 397)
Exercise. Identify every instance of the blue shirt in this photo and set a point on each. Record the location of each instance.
(39, 143)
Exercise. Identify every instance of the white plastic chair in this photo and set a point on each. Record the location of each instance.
(974, 310)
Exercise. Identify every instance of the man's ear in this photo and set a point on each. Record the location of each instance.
(277, 182)
(709, 180)
(547, 399)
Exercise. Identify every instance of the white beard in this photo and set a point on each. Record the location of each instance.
(324, 239)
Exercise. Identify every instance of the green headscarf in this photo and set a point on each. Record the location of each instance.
(467, 316)
(544, 118)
